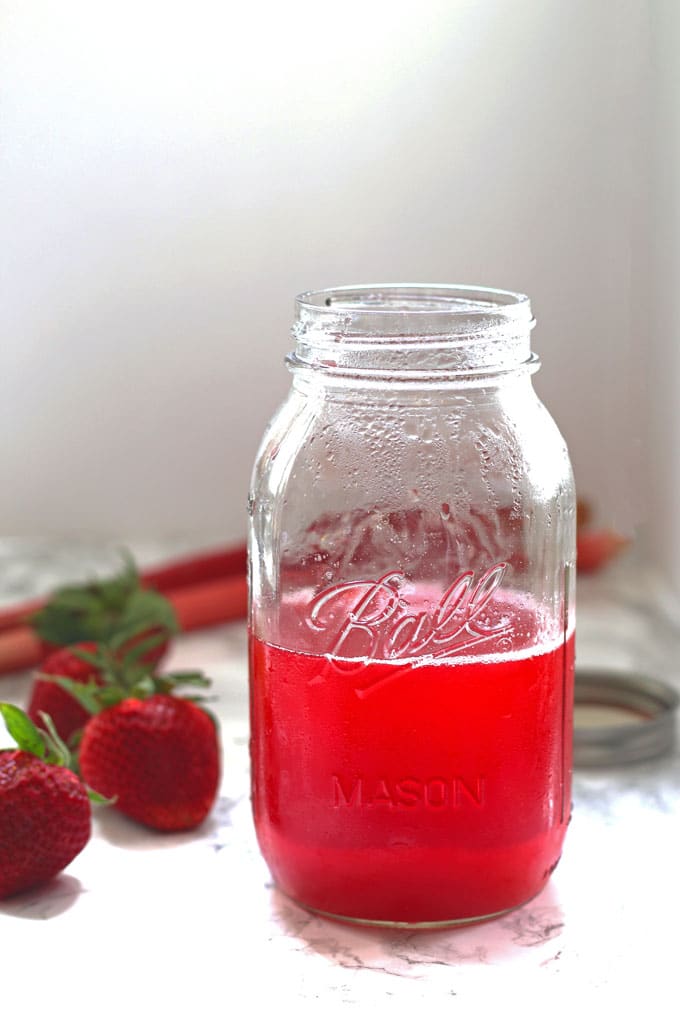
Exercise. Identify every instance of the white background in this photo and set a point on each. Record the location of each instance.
(174, 173)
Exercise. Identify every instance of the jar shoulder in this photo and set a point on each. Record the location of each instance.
(380, 445)
(284, 439)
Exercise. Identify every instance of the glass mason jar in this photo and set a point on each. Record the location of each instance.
(412, 530)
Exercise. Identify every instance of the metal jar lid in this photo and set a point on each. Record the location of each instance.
(621, 717)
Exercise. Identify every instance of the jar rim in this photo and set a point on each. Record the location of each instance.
(412, 331)
(434, 301)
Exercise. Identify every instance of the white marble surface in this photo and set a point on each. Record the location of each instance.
(187, 923)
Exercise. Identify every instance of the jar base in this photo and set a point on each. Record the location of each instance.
(363, 922)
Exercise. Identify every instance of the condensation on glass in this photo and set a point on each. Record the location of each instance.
(412, 532)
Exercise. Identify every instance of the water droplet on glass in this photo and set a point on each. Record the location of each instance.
(411, 427)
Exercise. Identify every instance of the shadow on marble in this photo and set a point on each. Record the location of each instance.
(124, 832)
(656, 784)
(46, 901)
(405, 952)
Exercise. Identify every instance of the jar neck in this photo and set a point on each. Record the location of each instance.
(412, 335)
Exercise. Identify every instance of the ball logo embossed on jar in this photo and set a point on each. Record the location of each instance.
(366, 619)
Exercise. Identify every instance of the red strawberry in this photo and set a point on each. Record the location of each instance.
(44, 810)
(67, 714)
(159, 757)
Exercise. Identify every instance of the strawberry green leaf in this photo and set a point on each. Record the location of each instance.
(99, 798)
(21, 729)
(188, 676)
(58, 752)
(111, 696)
(104, 610)
(144, 609)
(91, 658)
(85, 694)
(44, 744)
(74, 598)
(139, 648)
(144, 688)
(74, 742)
(168, 681)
